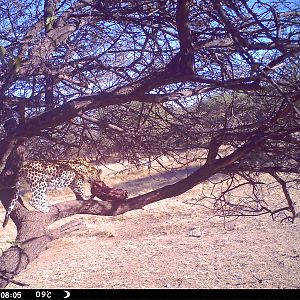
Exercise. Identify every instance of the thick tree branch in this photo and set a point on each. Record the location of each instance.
(184, 61)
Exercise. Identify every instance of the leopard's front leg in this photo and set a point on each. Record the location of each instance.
(77, 186)
(38, 199)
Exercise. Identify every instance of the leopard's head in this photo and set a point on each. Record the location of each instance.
(94, 174)
(83, 166)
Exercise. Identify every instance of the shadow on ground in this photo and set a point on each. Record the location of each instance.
(155, 181)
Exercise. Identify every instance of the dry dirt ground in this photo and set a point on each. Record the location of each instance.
(168, 244)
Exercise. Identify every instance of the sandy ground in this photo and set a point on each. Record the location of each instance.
(169, 244)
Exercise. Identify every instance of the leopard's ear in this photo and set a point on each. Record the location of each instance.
(81, 159)
(77, 159)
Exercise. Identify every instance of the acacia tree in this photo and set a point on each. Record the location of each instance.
(146, 79)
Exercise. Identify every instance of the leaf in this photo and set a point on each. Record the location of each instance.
(14, 64)
(49, 22)
(2, 53)
(17, 63)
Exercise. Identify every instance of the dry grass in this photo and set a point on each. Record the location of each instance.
(168, 244)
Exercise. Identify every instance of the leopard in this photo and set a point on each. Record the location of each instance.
(44, 175)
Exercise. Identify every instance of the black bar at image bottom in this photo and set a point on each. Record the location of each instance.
(89, 294)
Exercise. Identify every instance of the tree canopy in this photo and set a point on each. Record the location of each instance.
(146, 79)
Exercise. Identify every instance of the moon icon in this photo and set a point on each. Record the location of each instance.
(67, 294)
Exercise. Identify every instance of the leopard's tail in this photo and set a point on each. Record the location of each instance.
(12, 204)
